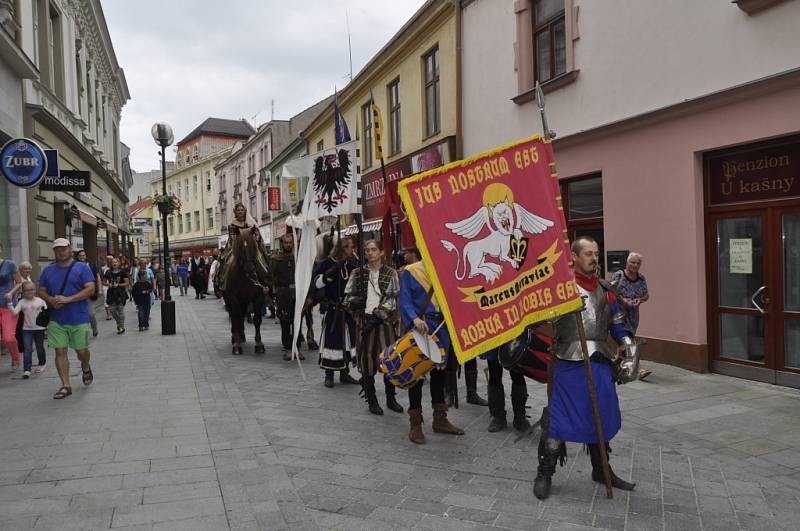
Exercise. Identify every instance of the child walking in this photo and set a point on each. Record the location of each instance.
(117, 281)
(141, 291)
(30, 305)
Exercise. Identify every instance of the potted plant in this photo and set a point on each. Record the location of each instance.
(167, 204)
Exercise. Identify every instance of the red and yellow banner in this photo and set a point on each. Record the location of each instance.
(493, 237)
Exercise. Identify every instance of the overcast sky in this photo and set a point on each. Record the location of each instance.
(186, 60)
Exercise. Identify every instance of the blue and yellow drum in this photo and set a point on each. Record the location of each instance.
(411, 358)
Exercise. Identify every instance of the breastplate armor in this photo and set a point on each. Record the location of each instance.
(596, 320)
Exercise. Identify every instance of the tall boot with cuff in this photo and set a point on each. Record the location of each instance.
(471, 379)
(391, 398)
(368, 392)
(440, 422)
(497, 408)
(597, 470)
(415, 433)
(519, 397)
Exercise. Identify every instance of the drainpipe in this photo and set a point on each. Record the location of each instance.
(459, 139)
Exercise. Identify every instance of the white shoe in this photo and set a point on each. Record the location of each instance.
(26, 375)
(39, 368)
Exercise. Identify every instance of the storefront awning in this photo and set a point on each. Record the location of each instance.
(87, 218)
(368, 226)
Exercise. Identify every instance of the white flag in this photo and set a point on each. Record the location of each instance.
(334, 185)
(334, 188)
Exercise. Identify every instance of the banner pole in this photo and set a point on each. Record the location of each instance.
(601, 440)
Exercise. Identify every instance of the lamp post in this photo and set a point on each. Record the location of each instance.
(162, 134)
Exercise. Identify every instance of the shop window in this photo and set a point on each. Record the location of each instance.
(394, 117)
(432, 100)
(583, 208)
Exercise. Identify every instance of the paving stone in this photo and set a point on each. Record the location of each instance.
(182, 435)
(167, 512)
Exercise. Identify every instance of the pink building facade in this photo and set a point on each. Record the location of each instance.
(678, 137)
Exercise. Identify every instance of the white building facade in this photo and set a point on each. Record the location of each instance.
(74, 107)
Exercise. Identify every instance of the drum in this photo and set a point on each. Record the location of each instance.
(531, 360)
(411, 358)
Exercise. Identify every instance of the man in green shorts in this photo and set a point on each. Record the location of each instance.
(66, 286)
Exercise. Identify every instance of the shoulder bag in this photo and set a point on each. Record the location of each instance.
(43, 319)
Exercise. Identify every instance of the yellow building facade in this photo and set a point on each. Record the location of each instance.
(414, 81)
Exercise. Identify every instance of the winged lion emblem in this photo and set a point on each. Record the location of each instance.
(506, 221)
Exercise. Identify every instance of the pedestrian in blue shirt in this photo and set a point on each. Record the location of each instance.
(66, 286)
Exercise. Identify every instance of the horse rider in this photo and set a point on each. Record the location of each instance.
(240, 222)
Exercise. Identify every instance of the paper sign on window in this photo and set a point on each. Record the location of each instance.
(741, 255)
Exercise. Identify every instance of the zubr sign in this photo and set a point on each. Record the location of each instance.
(24, 163)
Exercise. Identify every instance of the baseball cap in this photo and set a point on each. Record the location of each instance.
(60, 242)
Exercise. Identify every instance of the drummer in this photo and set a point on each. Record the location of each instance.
(415, 302)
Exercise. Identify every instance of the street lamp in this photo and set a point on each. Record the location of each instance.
(162, 134)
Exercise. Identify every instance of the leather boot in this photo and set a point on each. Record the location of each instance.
(519, 397)
(597, 470)
(391, 399)
(328, 378)
(440, 422)
(451, 388)
(548, 457)
(471, 379)
(344, 377)
(368, 392)
(415, 434)
(497, 408)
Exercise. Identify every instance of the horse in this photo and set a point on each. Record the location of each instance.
(245, 285)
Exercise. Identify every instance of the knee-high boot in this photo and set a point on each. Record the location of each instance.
(440, 422)
(471, 379)
(597, 469)
(391, 397)
(497, 407)
(519, 397)
(368, 392)
(550, 452)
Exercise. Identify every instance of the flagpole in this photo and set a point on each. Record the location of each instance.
(377, 136)
(549, 134)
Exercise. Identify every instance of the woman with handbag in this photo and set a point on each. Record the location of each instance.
(371, 297)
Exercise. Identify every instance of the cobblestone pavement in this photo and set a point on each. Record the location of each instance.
(176, 433)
